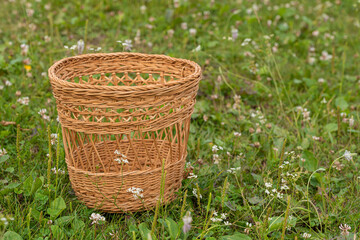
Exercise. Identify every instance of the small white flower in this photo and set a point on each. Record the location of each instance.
(80, 46)
(234, 34)
(142, 9)
(96, 218)
(306, 235)
(216, 148)
(127, 45)
(184, 25)
(53, 137)
(223, 215)
(325, 56)
(137, 192)
(3, 152)
(122, 158)
(42, 111)
(214, 219)
(54, 170)
(351, 121)
(324, 101)
(246, 41)
(321, 80)
(268, 185)
(315, 33)
(192, 31)
(237, 134)
(216, 158)
(227, 223)
(196, 193)
(344, 229)
(192, 175)
(197, 49)
(24, 49)
(24, 100)
(187, 219)
(348, 155)
(8, 83)
(171, 33)
(267, 191)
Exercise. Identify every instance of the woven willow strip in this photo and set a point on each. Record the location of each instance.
(122, 115)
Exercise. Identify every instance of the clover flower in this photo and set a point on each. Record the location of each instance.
(344, 229)
(3, 152)
(24, 100)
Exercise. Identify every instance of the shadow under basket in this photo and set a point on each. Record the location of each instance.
(123, 115)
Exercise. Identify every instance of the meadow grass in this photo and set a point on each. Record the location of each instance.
(274, 137)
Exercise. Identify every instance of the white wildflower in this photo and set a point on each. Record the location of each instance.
(306, 235)
(246, 41)
(192, 175)
(80, 46)
(127, 45)
(184, 26)
(192, 31)
(325, 56)
(196, 193)
(142, 9)
(214, 219)
(54, 170)
(351, 121)
(234, 34)
(268, 185)
(216, 158)
(96, 218)
(137, 192)
(216, 148)
(348, 155)
(122, 158)
(8, 83)
(24, 49)
(237, 134)
(53, 137)
(344, 229)
(24, 100)
(233, 170)
(197, 49)
(3, 152)
(187, 219)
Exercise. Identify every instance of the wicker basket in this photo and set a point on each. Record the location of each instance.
(122, 115)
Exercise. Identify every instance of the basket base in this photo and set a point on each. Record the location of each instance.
(110, 192)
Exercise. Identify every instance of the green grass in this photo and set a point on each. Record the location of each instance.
(282, 146)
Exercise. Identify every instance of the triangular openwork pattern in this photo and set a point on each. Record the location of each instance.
(143, 150)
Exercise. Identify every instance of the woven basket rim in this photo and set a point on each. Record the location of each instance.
(53, 77)
(117, 174)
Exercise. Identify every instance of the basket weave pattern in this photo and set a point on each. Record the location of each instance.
(138, 105)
